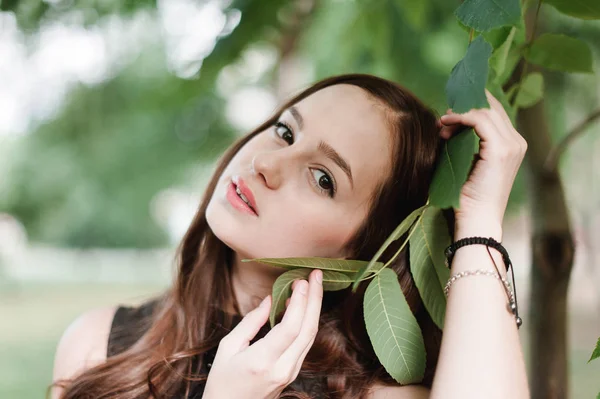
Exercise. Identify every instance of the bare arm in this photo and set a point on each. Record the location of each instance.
(481, 352)
(481, 355)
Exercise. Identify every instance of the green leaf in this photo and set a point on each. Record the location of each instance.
(453, 169)
(402, 228)
(484, 15)
(339, 265)
(596, 352)
(335, 281)
(530, 91)
(561, 53)
(393, 329)
(427, 262)
(500, 56)
(583, 9)
(282, 288)
(466, 87)
(465, 90)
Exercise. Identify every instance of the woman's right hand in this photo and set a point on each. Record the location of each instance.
(263, 369)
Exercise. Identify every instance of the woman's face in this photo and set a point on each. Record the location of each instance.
(310, 178)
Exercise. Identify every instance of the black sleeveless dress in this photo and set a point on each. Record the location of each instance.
(127, 328)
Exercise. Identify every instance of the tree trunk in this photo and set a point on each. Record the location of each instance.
(553, 252)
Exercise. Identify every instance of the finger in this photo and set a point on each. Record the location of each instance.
(448, 131)
(283, 334)
(239, 338)
(297, 351)
(497, 105)
(478, 119)
(514, 134)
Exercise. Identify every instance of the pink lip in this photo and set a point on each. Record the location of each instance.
(246, 191)
(235, 199)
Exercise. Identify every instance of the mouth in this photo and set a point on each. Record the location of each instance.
(240, 195)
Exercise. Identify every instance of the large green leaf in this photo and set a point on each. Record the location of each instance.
(596, 352)
(530, 91)
(583, 9)
(466, 87)
(484, 15)
(561, 53)
(500, 56)
(339, 265)
(393, 329)
(465, 90)
(427, 266)
(402, 228)
(453, 169)
(282, 288)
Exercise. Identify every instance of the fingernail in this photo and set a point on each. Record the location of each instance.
(444, 117)
(319, 276)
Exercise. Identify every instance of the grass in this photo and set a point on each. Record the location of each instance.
(33, 317)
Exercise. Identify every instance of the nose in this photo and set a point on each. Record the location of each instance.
(268, 166)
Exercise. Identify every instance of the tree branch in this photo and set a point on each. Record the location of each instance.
(551, 162)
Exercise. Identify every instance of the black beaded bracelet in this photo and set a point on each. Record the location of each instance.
(490, 242)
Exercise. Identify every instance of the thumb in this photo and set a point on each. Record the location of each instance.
(239, 338)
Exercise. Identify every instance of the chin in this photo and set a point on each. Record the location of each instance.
(227, 229)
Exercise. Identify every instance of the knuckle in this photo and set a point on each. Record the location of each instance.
(288, 333)
(280, 378)
(523, 143)
(225, 342)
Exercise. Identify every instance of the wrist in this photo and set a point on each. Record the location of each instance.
(478, 228)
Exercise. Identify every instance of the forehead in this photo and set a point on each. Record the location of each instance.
(356, 125)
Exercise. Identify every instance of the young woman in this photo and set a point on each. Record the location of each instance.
(330, 174)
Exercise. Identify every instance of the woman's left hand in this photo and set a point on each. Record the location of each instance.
(485, 194)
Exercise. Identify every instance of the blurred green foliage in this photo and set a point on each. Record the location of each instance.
(86, 178)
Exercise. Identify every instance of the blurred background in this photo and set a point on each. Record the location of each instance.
(113, 112)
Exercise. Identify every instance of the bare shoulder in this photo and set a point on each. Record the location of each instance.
(83, 344)
(379, 391)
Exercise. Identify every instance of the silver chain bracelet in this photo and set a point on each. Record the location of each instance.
(481, 272)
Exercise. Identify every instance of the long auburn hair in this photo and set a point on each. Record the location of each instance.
(186, 322)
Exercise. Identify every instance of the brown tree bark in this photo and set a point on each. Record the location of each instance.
(553, 252)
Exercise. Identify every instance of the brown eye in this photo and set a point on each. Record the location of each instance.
(284, 132)
(324, 182)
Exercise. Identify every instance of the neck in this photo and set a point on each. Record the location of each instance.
(251, 282)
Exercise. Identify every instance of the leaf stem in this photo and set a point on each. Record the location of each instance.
(393, 258)
(527, 47)
(471, 34)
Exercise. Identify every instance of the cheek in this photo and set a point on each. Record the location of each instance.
(317, 232)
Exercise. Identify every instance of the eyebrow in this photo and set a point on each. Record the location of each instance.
(296, 114)
(337, 158)
(325, 148)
